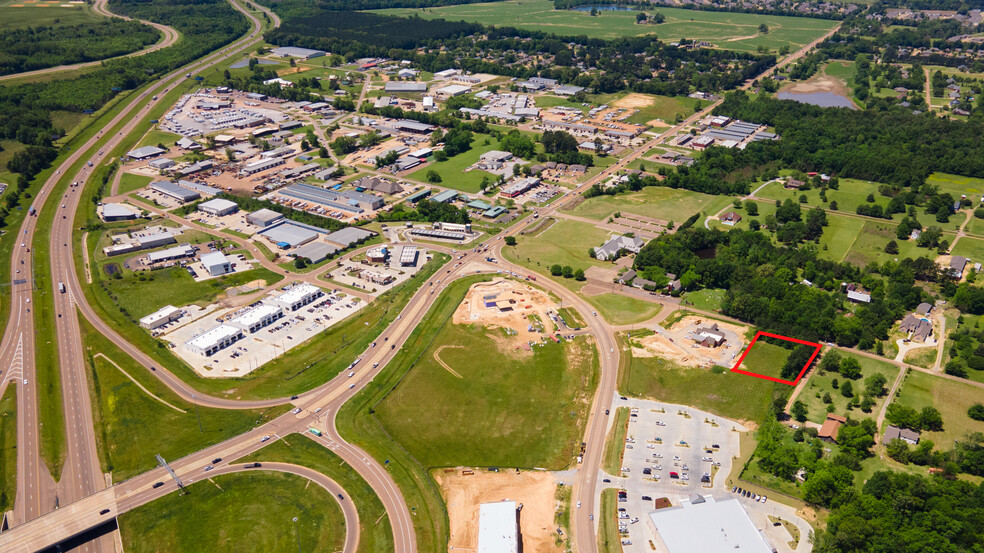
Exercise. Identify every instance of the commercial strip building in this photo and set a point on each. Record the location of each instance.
(703, 525)
(170, 254)
(210, 342)
(257, 317)
(161, 317)
(519, 186)
(297, 296)
(498, 527)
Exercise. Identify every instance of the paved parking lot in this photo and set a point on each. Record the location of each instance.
(666, 438)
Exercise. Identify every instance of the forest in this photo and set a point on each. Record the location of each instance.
(47, 46)
(763, 284)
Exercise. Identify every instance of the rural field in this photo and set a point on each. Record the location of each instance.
(669, 204)
(733, 31)
(564, 242)
(717, 390)
(453, 172)
(818, 385)
(216, 515)
(765, 358)
(952, 398)
(516, 408)
(18, 14)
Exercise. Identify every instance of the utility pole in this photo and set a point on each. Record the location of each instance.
(197, 414)
(297, 535)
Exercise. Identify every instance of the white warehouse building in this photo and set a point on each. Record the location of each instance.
(216, 263)
(161, 317)
(704, 524)
(298, 295)
(498, 527)
(214, 340)
(218, 207)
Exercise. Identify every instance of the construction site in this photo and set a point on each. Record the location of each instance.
(693, 342)
(526, 314)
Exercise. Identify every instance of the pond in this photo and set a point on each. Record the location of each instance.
(822, 99)
(602, 8)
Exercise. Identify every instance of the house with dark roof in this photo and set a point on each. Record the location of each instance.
(730, 218)
(957, 265)
(918, 329)
(895, 433)
(924, 308)
(831, 426)
(793, 184)
(626, 277)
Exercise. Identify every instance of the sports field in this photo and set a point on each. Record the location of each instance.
(733, 31)
(246, 513)
(951, 397)
(717, 390)
(669, 204)
(499, 404)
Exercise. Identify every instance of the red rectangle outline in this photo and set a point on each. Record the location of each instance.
(816, 352)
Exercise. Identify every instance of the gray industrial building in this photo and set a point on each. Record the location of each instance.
(294, 52)
(347, 200)
(264, 218)
(216, 263)
(218, 206)
(349, 236)
(405, 86)
(145, 152)
(288, 235)
(315, 252)
(175, 191)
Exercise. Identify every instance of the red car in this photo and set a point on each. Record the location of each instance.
(674, 475)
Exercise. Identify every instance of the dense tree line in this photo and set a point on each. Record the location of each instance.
(763, 284)
(894, 147)
(47, 46)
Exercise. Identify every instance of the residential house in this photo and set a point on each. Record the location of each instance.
(831, 426)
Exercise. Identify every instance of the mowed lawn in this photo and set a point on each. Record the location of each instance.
(951, 397)
(17, 14)
(722, 392)
(565, 242)
(818, 385)
(246, 513)
(504, 407)
(971, 248)
(8, 448)
(618, 309)
(124, 414)
(765, 359)
(452, 171)
(130, 182)
(734, 31)
(669, 204)
(665, 108)
(840, 234)
(868, 244)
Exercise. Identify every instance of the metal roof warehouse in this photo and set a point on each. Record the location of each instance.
(288, 235)
(172, 190)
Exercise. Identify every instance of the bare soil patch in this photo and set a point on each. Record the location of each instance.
(818, 83)
(534, 490)
(673, 345)
(634, 101)
(507, 304)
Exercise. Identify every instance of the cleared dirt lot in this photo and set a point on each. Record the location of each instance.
(674, 345)
(514, 303)
(534, 490)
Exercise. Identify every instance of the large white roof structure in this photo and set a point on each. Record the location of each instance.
(498, 528)
(708, 526)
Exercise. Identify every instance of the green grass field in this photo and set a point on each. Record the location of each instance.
(608, 537)
(669, 204)
(971, 248)
(8, 448)
(733, 31)
(375, 533)
(706, 299)
(819, 385)
(765, 358)
(869, 244)
(952, 398)
(17, 14)
(665, 108)
(130, 182)
(566, 242)
(724, 393)
(615, 442)
(155, 137)
(483, 419)
(618, 309)
(130, 423)
(453, 171)
(238, 512)
(571, 316)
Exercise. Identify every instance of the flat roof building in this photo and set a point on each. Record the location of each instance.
(199, 187)
(161, 164)
(216, 263)
(348, 200)
(117, 212)
(704, 525)
(264, 218)
(349, 236)
(405, 86)
(315, 252)
(211, 341)
(498, 527)
(445, 197)
(155, 239)
(408, 256)
(174, 191)
(294, 52)
(218, 206)
(452, 90)
(161, 317)
(298, 295)
(288, 235)
(170, 254)
(519, 186)
(255, 318)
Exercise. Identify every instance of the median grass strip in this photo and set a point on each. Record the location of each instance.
(8, 448)
(608, 538)
(375, 532)
(615, 442)
(245, 513)
(131, 425)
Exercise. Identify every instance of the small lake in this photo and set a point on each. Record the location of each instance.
(822, 99)
(602, 8)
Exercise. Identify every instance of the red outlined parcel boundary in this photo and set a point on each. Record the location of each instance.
(772, 378)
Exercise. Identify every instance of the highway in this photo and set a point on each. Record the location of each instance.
(82, 479)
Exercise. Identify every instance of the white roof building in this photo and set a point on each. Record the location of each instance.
(706, 526)
(216, 263)
(498, 528)
(218, 206)
(162, 316)
(298, 296)
(257, 317)
(211, 341)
